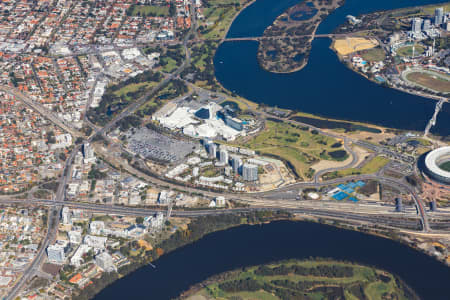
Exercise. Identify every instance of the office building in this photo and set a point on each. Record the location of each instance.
(236, 163)
(250, 172)
(88, 153)
(65, 214)
(212, 150)
(223, 156)
(105, 262)
(438, 16)
(416, 25)
(234, 123)
(74, 237)
(426, 25)
(55, 254)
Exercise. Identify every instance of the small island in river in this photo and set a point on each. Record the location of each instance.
(286, 44)
(309, 279)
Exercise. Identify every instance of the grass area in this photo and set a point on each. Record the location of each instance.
(133, 88)
(374, 54)
(171, 58)
(150, 10)
(445, 166)
(436, 82)
(218, 18)
(298, 146)
(370, 167)
(308, 279)
(334, 123)
(407, 51)
(169, 64)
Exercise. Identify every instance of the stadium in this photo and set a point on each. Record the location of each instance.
(437, 164)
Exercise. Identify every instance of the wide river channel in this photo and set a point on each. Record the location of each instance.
(325, 86)
(252, 245)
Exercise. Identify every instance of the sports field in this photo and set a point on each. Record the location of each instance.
(435, 81)
(445, 166)
(407, 51)
(354, 44)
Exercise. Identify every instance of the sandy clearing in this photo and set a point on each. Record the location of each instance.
(353, 44)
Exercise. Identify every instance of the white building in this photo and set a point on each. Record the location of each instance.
(96, 227)
(250, 172)
(223, 156)
(105, 262)
(74, 237)
(416, 25)
(66, 218)
(97, 242)
(62, 141)
(77, 258)
(55, 254)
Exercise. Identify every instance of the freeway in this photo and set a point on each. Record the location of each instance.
(395, 220)
(52, 227)
(40, 109)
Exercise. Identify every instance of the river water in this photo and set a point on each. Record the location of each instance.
(325, 86)
(253, 245)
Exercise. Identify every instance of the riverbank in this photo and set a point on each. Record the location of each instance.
(245, 246)
(195, 230)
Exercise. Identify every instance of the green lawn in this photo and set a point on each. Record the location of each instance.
(301, 148)
(408, 50)
(355, 281)
(369, 168)
(150, 10)
(217, 20)
(169, 64)
(134, 87)
(445, 166)
(374, 54)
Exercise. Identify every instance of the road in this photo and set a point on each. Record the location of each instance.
(52, 226)
(40, 109)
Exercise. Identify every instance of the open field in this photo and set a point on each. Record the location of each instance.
(217, 21)
(150, 10)
(374, 54)
(299, 147)
(407, 51)
(303, 280)
(436, 82)
(354, 44)
(370, 167)
(133, 88)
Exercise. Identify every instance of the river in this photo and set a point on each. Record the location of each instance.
(252, 245)
(325, 86)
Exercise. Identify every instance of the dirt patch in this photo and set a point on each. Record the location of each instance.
(353, 44)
